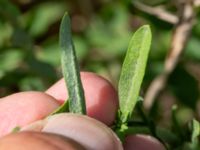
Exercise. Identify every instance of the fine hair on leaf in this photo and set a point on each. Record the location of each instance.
(133, 70)
(70, 68)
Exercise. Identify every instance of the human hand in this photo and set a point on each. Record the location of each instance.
(24, 108)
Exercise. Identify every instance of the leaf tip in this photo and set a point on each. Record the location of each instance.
(66, 14)
(147, 27)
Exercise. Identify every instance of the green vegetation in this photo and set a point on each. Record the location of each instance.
(30, 58)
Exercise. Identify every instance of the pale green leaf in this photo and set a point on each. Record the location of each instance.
(133, 70)
(195, 130)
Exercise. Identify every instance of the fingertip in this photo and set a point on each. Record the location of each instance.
(101, 97)
(58, 91)
(84, 130)
(142, 142)
(23, 108)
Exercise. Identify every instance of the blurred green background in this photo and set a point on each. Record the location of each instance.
(30, 55)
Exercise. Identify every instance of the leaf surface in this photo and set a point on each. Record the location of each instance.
(133, 70)
(70, 68)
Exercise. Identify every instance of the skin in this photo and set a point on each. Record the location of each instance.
(23, 108)
(81, 128)
(98, 92)
(44, 141)
(142, 142)
(101, 104)
(97, 131)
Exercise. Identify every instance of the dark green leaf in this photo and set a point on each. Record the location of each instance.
(71, 69)
(133, 70)
(62, 109)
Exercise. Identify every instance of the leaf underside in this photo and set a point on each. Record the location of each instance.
(133, 70)
(70, 68)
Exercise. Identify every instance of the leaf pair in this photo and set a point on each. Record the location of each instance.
(131, 75)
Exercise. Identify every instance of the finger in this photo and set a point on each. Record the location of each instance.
(38, 141)
(142, 142)
(82, 129)
(90, 133)
(23, 108)
(101, 97)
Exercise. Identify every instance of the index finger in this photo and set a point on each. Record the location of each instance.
(101, 97)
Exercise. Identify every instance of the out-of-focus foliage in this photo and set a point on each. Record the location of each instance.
(30, 55)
